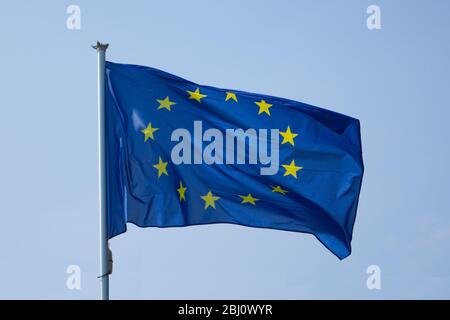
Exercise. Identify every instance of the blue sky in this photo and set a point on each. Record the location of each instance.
(395, 80)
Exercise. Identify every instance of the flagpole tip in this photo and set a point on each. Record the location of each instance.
(101, 46)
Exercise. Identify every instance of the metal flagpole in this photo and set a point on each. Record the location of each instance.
(104, 251)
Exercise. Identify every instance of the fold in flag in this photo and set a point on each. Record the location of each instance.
(180, 154)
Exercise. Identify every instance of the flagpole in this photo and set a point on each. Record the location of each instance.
(104, 267)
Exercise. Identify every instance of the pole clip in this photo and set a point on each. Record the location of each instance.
(110, 264)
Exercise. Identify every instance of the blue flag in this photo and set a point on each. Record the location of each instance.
(179, 154)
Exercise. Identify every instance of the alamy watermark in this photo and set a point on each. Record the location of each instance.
(73, 281)
(374, 279)
(374, 20)
(239, 142)
(73, 21)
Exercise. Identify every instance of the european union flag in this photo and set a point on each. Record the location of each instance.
(179, 154)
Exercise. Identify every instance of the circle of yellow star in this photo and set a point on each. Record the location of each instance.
(161, 166)
(248, 199)
(165, 103)
(288, 136)
(279, 190)
(291, 169)
(181, 191)
(210, 199)
(148, 132)
(196, 95)
(263, 107)
(231, 95)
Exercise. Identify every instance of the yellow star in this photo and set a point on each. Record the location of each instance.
(162, 167)
(196, 95)
(181, 190)
(231, 95)
(209, 200)
(291, 169)
(279, 190)
(148, 132)
(165, 104)
(248, 199)
(288, 136)
(263, 107)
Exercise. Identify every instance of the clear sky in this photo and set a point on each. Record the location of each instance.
(395, 80)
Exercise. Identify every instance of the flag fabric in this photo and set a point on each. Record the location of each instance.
(180, 154)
